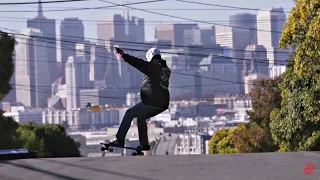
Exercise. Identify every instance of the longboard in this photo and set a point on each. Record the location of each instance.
(108, 147)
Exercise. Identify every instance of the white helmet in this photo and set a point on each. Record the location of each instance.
(152, 52)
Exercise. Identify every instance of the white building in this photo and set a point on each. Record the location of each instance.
(22, 114)
(191, 144)
(249, 81)
(132, 99)
(77, 76)
(233, 37)
(78, 119)
(32, 67)
(276, 71)
(270, 24)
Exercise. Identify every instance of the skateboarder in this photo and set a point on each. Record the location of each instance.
(154, 93)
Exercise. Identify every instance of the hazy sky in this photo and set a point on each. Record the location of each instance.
(17, 20)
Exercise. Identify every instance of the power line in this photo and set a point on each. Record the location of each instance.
(134, 43)
(130, 88)
(188, 19)
(81, 9)
(195, 76)
(224, 6)
(45, 2)
(118, 22)
(118, 98)
(104, 7)
(185, 54)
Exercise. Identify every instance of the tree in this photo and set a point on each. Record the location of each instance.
(48, 140)
(255, 136)
(252, 138)
(221, 142)
(7, 45)
(296, 125)
(8, 136)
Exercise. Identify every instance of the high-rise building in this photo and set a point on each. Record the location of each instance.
(256, 60)
(48, 28)
(219, 76)
(110, 27)
(102, 97)
(77, 77)
(245, 21)
(270, 24)
(71, 32)
(134, 27)
(235, 40)
(173, 33)
(32, 79)
(11, 97)
(118, 30)
(200, 40)
(98, 62)
(208, 35)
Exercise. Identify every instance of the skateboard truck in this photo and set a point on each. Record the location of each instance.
(108, 147)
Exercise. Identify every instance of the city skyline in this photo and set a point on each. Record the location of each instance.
(16, 21)
(212, 56)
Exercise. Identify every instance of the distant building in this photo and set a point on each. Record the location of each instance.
(256, 60)
(192, 144)
(71, 32)
(32, 64)
(219, 76)
(173, 33)
(245, 21)
(270, 23)
(22, 114)
(101, 97)
(249, 81)
(82, 119)
(77, 77)
(48, 29)
(185, 84)
(276, 71)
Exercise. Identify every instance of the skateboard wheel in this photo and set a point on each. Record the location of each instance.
(142, 154)
(110, 149)
(103, 148)
(134, 154)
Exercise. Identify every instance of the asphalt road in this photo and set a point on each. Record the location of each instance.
(268, 166)
(166, 145)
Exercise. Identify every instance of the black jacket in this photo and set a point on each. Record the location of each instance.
(154, 91)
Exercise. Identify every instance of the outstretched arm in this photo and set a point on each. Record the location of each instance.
(140, 64)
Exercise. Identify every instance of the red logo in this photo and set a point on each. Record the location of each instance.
(308, 168)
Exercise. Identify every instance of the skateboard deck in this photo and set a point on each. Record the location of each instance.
(108, 147)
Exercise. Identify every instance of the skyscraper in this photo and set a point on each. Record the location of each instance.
(256, 61)
(173, 32)
(245, 21)
(71, 32)
(32, 79)
(98, 62)
(270, 24)
(77, 77)
(111, 27)
(48, 28)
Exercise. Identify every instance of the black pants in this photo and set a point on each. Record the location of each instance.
(142, 112)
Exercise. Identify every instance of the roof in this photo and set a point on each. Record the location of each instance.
(212, 59)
